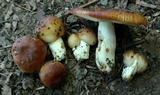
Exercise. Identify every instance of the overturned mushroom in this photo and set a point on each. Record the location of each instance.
(80, 43)
(50, 29)
(133, 63)
(29, 53)
(105, 52)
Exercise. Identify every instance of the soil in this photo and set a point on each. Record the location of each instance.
(19, 17)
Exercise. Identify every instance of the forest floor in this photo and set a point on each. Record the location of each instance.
(19, 17)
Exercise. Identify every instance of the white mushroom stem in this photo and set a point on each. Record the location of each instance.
(105, 52)
(129, 72)
(58, 49)
(81, 51)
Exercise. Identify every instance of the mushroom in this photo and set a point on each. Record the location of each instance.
(133, 63)
(80, 43)
(50, 29)
(105, 52)
(52, 74)
(26, 51)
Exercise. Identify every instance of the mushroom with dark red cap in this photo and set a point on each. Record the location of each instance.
(29, 53)
(51, 29)
(80, 43)
(105, 52)
(52, 74)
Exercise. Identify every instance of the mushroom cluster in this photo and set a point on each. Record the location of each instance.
(80, 43)
(105, 52)
(133, 63)
(29, 52)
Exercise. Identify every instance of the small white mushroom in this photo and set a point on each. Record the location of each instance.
(133, 63)
(80, 43)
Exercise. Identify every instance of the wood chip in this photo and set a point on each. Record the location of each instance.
(144, 4)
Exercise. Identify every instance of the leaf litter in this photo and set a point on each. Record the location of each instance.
(19, 18)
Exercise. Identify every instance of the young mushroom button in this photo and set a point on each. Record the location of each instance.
(52, 74)
(80, 43)
(26, 51)
(50, 29)
(133, 63)
(105, 52)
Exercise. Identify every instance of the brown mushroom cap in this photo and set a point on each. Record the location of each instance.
(29, 53)
(113, 15)
(50, 28)
(87, 35)
(52, 74)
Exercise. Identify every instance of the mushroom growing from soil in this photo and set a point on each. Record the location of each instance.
(80, 43)
(133, 63)
(29, 53)
(51, 29)
(105, 52)
(52, 74)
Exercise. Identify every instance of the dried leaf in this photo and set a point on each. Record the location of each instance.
(33, 4)
(3, 41)
(8, 77)
(14, 23)
(9, 13)
(39, 15)
(6, 90)
(104, 2)
(8, 26)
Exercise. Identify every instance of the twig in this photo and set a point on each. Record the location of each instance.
(89, 3)
(2, 48)
(133, 44)
(109, 81)
(11, 20)
(40, 88)
(142, 3)
(23, 7)
(82, 6)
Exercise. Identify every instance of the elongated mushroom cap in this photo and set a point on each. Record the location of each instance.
(87, 35)
(29, 53)
(50, 28)
(113, 15)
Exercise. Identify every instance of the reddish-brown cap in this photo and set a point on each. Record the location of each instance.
(52, 74)
(29, 53)
(113, 15)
